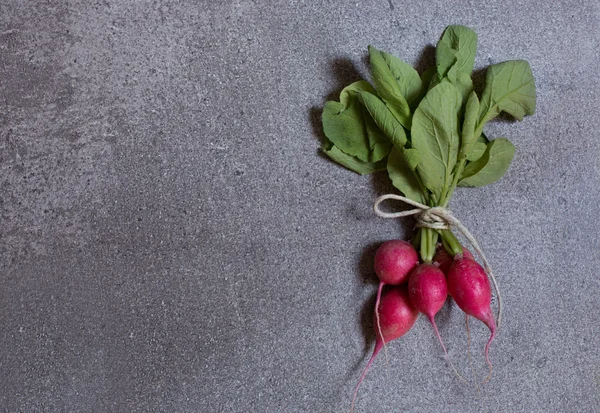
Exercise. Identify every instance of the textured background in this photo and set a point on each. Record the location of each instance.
(172, 240)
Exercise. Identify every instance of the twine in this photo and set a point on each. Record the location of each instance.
(439, 218)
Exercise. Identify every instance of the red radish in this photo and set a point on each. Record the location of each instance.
(394, 260)
(444, 259)
(396, 317)
(469, 286)
(428, 290)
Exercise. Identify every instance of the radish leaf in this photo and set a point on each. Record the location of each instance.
(455, 52)
(463, 83)
(403, 176)
(383, 118)
(353, 163)
(491, 166)
(468, 130)
(397, 83)
(509, 87)
(351, 129)
(477, 151)
(435, 136)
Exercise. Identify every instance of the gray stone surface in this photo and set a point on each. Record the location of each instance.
(171, 239)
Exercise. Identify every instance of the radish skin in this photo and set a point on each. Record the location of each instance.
(396, 316)
(444, 259)
(428, 290)
(394, 260)
(470, 287)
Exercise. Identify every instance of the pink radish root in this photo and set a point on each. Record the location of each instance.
(395, 318)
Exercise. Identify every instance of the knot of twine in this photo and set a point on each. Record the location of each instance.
(439, 218)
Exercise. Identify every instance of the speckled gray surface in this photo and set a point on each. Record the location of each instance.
(171, 240)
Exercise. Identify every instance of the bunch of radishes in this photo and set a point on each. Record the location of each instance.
(427, 130)
(412, 287)
(396, 310)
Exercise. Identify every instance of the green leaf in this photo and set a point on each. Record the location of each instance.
(426, 80)
(491, 166)
(403, 177)
(348, 94)
(397, 83)
(464, 84)
(409, 81)
(435, 136)
(477, 151)
(455, 52)
(436, 79)
(379, 144)
(353, 163)
(479, 147)
(384, 119)
(349, 126)
(469, 123)
(509, 87)
(412, 158)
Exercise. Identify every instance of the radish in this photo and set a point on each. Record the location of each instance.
(444, 259)
(396, 317)
(428, 290)
(470, 288)
(394, 260)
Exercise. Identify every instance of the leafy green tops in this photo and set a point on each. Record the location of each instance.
(427, 131)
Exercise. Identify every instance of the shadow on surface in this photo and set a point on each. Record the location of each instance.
(478, 77)
(345, 73)
(426, 59)
(366, 322)
(383, 185)
(366, 271)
